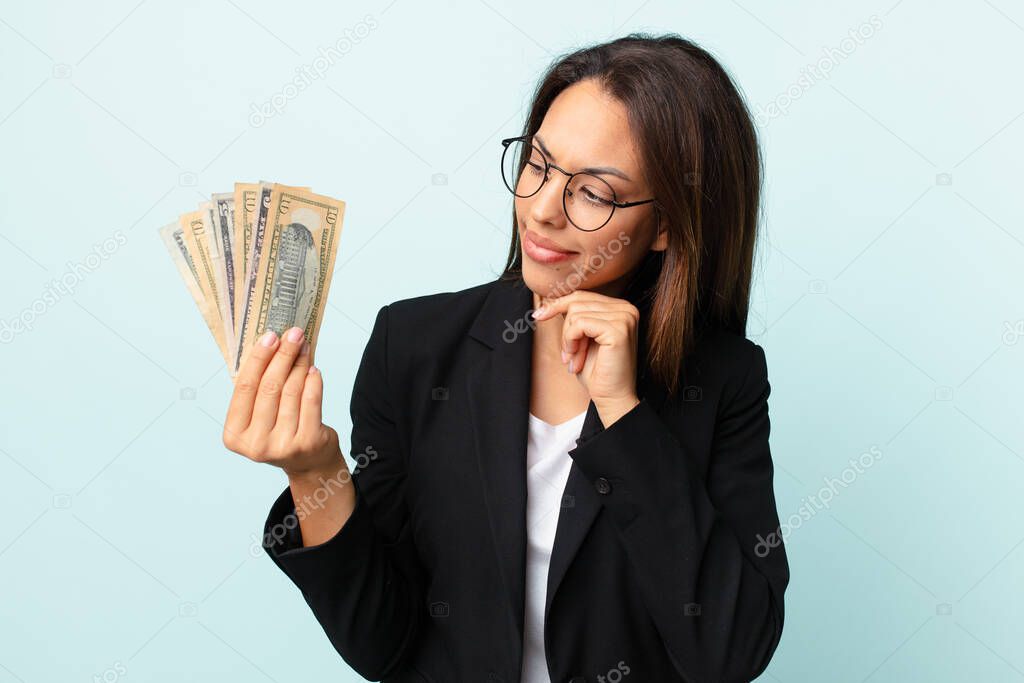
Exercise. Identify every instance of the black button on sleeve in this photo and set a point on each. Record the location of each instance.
(602, 485)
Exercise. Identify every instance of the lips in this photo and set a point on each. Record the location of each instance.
(546, 243)
(543, 250)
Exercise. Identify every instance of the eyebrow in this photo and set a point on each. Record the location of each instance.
(600, 170)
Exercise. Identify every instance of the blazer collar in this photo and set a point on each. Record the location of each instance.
(498, 388)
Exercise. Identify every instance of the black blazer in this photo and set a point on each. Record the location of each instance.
(659, 570)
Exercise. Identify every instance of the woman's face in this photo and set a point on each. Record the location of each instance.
(586, 128)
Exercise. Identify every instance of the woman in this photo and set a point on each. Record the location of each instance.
(579, 491)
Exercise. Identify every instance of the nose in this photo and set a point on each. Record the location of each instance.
(546, 203)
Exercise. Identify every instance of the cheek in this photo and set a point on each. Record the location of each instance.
(522, 208)
(613, 253)
(614, 243)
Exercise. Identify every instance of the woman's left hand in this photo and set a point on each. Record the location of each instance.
(599, 342)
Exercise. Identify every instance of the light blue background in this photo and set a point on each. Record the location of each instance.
(888, 299)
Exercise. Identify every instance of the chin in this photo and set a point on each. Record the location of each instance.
(550, 282)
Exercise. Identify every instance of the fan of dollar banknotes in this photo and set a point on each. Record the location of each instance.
(256, 259)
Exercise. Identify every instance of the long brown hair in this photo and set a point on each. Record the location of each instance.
(699, 150)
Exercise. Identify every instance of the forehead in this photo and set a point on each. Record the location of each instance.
(586, 126)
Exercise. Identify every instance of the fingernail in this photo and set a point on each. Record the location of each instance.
(295, 334)
(570, 366)
(537, 312)
(305, 348)
(564, 356)
(268, 338)
(312, 369)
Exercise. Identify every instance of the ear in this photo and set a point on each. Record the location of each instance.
(661, 241)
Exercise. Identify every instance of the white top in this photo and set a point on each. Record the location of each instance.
(547, 471)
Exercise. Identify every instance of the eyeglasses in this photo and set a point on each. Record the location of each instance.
(588, 200)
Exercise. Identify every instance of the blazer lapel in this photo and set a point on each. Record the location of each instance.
(498, 389)
(580, 505)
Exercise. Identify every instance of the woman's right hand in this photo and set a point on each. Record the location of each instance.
(275, 410)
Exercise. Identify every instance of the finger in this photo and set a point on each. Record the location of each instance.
(603, 307)
(579, 359)
(310, 410)
(291, 395)
(561, 304)
(572, 345)
(582, 328)
(248, 381)
(268, 396)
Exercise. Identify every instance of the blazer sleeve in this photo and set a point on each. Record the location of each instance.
(363, 584)
(713, 586)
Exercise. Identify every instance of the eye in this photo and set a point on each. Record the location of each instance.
(535, 168)
(597, 198)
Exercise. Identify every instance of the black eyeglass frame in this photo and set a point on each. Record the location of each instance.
(565, 190)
